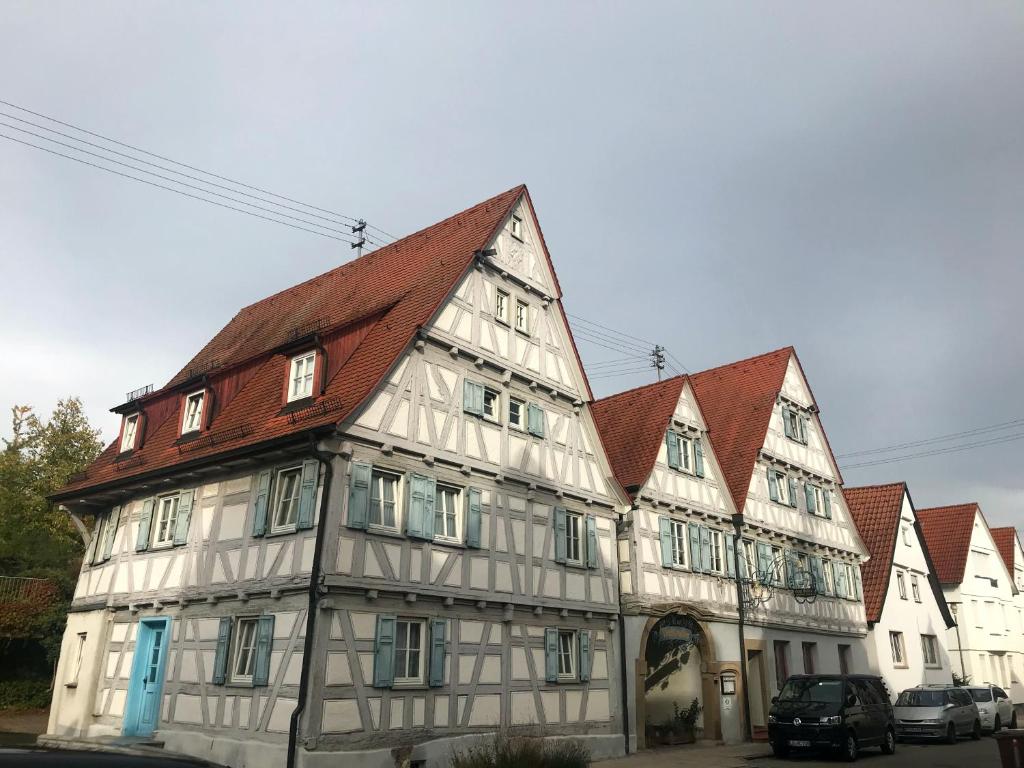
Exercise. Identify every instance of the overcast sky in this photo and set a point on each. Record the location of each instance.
(721, 178)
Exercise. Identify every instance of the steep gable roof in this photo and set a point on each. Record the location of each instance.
(1006, 540)
(947, 532)
(632, 426)
(379, 300)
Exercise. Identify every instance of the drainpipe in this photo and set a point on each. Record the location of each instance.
(623, 674)
(314, 596)
(960, 647)
(737, 522)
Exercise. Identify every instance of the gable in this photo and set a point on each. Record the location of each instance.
(524, 256)
(948, 532)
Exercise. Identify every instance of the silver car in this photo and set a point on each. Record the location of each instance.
(994, 706)
(936, 712)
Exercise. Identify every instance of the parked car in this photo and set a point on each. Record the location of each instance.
(994, 706)
(838, 713)
(937, 712)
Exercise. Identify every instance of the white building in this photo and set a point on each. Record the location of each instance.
(1009, 546)
(906, 610)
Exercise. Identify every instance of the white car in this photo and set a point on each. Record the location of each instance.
(994, 706)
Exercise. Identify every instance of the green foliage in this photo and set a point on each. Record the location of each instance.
(959, 682)
(24, 694)
(683, 720)
(523, 752)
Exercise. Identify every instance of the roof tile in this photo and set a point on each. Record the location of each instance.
(876, 513)
(947, 532)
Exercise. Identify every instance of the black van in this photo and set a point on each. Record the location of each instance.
(840, 713)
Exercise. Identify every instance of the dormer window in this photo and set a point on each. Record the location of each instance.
(300, 380)
(193, 418)
(516, 227)
(128, 432)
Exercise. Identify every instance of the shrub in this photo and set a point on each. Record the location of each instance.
(24, 694)
(523, 752)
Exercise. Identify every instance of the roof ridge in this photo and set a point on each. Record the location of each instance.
(848, 488)
(790, 348)
(950, 506)
(653, 384)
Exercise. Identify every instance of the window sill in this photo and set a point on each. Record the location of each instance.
(296, 405)
(524, 334)
(281, 532)
(188, 437)
(933, 666)
(448, 543)
(415, 685)
(501, 321)
(71, 685)
(391, 533)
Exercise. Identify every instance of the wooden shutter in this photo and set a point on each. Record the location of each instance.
(856, 581)
(419, 519)
(785, 422)
(730, 555)
(473, 518)
(220, 657)
(826, 502)
(773, 485)
(812, 507)
(818, 574)
(804, 421)
(672, 443)
(264, 645)
(551, 654)
(693, 532)
(472, 397)
(359, 495)
(259, 515)
(791, 565)
(764, 561)
(665, 531)
(591, 541)
(181, 525)
(384, 652)
(307, 494)
(792, 491)
(705, 549)
(535, 420)
(839, 578)
(437, 628)
(559, 514)
(113, 518)
(145, 521)
(698, 457)
(584, 639)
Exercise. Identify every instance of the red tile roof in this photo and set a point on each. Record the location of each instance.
(947, 532)
(876, 513)
(632, 425)
(379, 301)
(1006, 541)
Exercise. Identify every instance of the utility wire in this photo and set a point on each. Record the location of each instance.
(941, 438)
(938, 451)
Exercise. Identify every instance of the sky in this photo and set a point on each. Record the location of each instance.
(721, 178)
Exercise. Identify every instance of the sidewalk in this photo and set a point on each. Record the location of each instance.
(706, 755)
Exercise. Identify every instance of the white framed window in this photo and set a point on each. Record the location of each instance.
(492, 404)
(522, 316)
(447, 511)
(501, 300)
(573, 538)
(193, 418)
(243, 657)
(794, 424)
(516, 227)
(384, 499)
(780, 489)
(286, 499)
(128, 431)
(166, 517)
(566, 654)
(717, 552)
(76, 667)
(906, 534)
(826, 569)
(517, 413)
(899, 650)
(915, 588)
(901, 584)
(750, 556)
(300, 378)
(679, 541)
(930, 650)
(410, 636)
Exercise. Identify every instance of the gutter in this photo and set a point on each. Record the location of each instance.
(737, 522)
(325, 460)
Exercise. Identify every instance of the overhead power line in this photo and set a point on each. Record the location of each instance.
(938, 451)
(931, 440)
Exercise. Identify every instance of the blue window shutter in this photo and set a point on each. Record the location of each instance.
(693, 531)
(792, 491)
(113, 518)
(816, 572)
(826, 502)
(220, 658)
(665, 531)
(591, 541)
(785, 422)
(559, 513)
(730, 555)
(812, 507)
(764, 561)
(856, 581)
(359, 495)
(672, 443)
(791, 562)
(307, 494)
(551, 655)
(839, 578)
(473, 518)
(184, 516)
(698, 457)
(773, 485)
(584, 637)
(437, 628)
(705, 549)
(420, 512)
(472, 397)
(804, 431)
(535, 420)
(264, 644)
(259, 513)
(384, 652)
(742, 560)
(145, 520)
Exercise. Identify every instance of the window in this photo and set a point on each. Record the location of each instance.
(286, 499)
(76, 667)
(383, 499)
(166, 517)
(522, 316)
(566, 655)
(810, 650)
(244, 658)
(193, 418)
(781, 488)
(573, 538)
(844, 659)
(901, 584)
(301, 377)
(678, 543)
(899, 652)
(501, 305)
(516, 227)
(781, 663)
(678, 451)
(794, 425)
(516, 413)
(492, 404)
(131, 425)
(749, 564)
(826, 571)
(906, 534)
(930, 650)
(717, 563)
(915, 587)
(446, 512)
(409, 637)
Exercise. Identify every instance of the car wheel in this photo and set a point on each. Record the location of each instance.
(951, 734)
(889, 745)
(997, 726)
(850, 748)
(780, 750)
(976, 731)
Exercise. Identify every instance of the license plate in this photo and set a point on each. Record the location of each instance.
(799, 743)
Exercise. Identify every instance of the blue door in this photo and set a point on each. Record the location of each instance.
(142, 710)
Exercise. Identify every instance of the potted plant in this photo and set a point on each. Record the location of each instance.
(682, 727)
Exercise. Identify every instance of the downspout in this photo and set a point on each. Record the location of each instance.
(623, 674)
(737, 522)
(960, 649)
(325, 460)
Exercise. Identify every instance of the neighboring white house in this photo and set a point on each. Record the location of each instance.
(1008, 542)
(906, 610)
